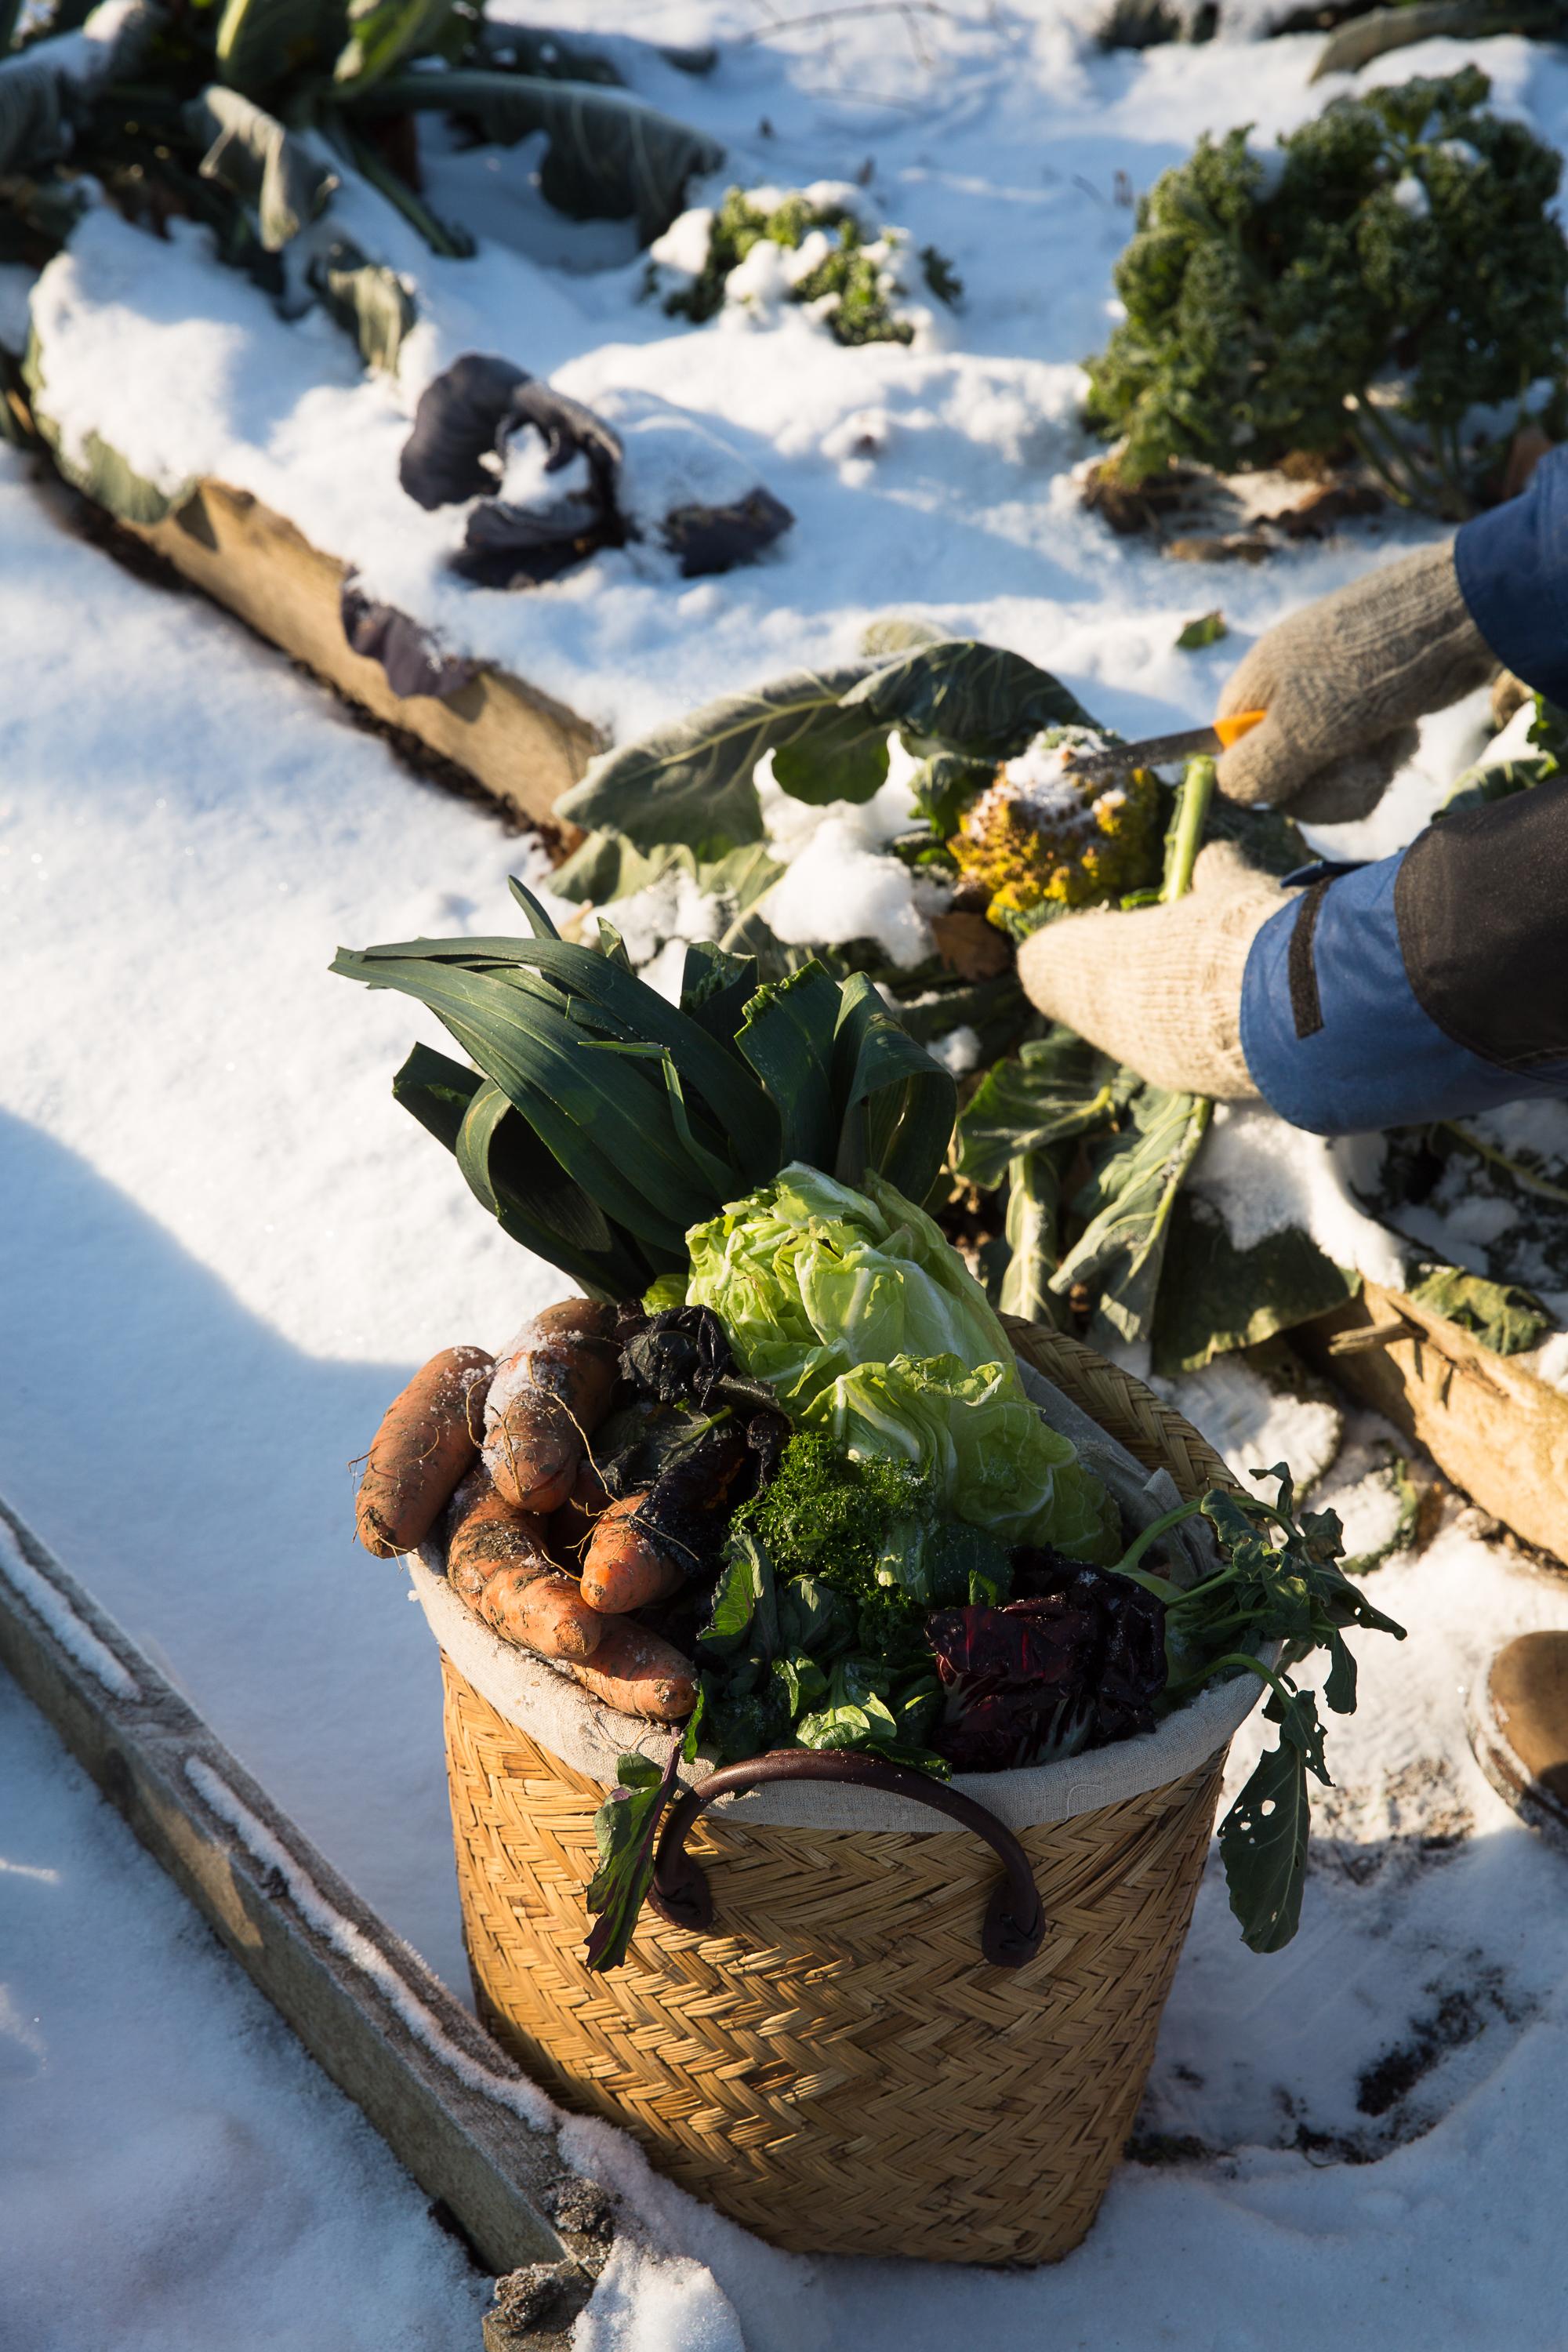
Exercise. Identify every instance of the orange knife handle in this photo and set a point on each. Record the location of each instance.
(1242, 722)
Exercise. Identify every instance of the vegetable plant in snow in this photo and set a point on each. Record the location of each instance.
(1384, 270)
(240, 116)
(1037, 838)
(816, 246)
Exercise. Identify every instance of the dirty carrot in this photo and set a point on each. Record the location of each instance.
(540, 1609)
(625, 1566)
(639, 1673)
(425, 1444)
(558, 1383)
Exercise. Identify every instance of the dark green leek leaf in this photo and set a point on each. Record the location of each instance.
(437, 1091)
(788, 1036)
(533, 1198)
(600, 1115)
(715, 989)
(621, 1007)
(893, 1105)
(610, 155)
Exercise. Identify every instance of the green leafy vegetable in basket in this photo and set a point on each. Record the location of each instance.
(598, 1122)
(1280, 1583)
(858, 1311)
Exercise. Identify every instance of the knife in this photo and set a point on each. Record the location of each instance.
(1159, 750)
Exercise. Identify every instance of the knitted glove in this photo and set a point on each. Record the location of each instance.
(1343, 683)
(1160, 988)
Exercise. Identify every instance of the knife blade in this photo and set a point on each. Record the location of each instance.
(1159, 750)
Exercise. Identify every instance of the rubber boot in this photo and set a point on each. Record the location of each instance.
(1518, 1723)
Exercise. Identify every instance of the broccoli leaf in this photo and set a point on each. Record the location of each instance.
(1129, 1203)
(1057, 1086)
(1213, 1297)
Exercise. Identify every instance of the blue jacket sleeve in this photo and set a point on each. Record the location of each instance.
(1512, 565)
(1336, 1036)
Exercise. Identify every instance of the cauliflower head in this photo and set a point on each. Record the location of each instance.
(1038, 835)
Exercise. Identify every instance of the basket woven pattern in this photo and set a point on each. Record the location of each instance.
(833, 2063)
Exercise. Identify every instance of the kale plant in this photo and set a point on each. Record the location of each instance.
(1391, 266)
(856, 271)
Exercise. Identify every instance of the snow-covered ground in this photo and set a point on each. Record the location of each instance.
(224, 1247)
(174, 2171)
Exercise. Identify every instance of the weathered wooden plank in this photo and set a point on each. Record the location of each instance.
(448, 2102)
(518, 743)
(1489, 1424)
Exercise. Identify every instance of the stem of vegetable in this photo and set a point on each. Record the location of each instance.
(1127, 1565)
(1501, 1160)
(451, 244)
(1194, 796)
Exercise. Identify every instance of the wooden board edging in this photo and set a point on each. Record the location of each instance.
(518, 743)
(1488, 1423)
(448, 2102)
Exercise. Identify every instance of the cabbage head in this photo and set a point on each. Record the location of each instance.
(858, 1310)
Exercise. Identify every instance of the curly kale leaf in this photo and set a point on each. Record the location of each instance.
(1404, 238)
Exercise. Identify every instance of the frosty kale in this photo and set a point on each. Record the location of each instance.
(1403, 240)
(842, 261)
(1037, 838)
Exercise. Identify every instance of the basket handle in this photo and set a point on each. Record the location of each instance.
(1015, 1924)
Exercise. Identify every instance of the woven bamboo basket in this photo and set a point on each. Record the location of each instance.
(831, 2063)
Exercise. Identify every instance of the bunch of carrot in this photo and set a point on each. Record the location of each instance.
(535, 1546)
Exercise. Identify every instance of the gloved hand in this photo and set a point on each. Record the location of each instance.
(1344, 681)
(1160, 988)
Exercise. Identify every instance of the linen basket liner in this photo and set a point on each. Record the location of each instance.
(567, 1721)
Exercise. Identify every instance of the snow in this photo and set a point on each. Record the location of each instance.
(174, 2171)
(1265, 1177)
(226, 1248)
(70, 1630)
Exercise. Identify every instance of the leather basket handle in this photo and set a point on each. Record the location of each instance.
(1015, 1924)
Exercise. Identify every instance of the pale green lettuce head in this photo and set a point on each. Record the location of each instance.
(972, 1430)
(810, 1278)
(858, 1311)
